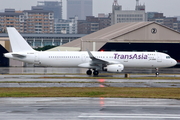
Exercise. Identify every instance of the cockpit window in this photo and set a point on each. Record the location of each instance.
(168, 57)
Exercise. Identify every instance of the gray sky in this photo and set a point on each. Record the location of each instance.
(170, 8)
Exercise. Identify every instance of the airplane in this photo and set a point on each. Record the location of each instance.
(95, 62)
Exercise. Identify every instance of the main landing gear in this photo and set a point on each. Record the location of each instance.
(95, 72)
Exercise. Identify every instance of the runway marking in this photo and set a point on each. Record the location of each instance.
(135, 116)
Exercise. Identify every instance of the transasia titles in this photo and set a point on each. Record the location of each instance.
(132, 56)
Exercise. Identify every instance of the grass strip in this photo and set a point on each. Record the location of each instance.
(165, 93)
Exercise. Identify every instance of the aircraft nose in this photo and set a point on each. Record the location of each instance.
(174, 62)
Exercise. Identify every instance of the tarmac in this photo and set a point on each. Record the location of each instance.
(22, 81)
(86, 108)
(57, 70)
(89, 109)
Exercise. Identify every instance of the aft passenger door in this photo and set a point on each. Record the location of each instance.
(36, 59)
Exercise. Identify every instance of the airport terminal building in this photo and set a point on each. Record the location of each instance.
(132, 36)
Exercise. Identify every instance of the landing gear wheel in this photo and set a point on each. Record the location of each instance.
(95, 73)
(157, 72)
(89, 72)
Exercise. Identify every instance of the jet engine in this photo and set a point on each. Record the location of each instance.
(115, 68)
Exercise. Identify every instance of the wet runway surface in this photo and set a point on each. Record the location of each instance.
(54, 70)
(47, 81)
(88, 109)
(20, 81)
(118, 83)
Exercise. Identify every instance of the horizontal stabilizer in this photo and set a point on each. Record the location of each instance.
(18, 55)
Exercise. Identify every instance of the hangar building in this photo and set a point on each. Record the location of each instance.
(136, 36)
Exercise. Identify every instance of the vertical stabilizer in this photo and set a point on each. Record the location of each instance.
(18, 43)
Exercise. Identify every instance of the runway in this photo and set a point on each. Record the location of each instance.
(88, 109)
(47, 81)
(85, 108)
(57, 70)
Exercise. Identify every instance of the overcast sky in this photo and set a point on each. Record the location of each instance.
(170, 8)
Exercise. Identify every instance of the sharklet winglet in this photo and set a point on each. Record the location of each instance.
(91, 55)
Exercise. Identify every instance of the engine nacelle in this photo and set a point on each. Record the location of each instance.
(115, 68)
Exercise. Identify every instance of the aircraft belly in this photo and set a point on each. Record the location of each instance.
(139, 63)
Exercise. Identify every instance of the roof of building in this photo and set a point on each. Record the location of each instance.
(38, 11)
(46, 35)
(10, 13)
(59, 48)
(112, 32)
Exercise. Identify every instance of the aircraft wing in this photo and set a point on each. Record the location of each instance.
(98, 63)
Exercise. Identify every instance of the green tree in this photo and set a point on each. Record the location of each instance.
(44, 48)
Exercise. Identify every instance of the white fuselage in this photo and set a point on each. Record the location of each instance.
(79, 59)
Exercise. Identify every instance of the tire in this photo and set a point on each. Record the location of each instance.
(89, 72)
(96, 73)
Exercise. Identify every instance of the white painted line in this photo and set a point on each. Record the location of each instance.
(145, 116)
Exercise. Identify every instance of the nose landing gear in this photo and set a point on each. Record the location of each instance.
(157, 72)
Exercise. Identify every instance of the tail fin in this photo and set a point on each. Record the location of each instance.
(18, 43)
